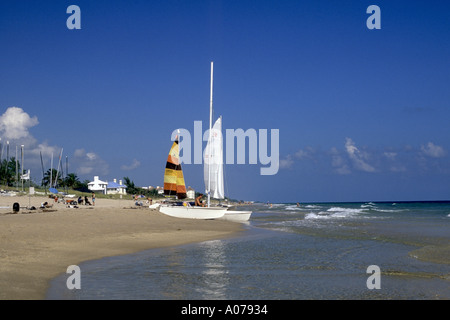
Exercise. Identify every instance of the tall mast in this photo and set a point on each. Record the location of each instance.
(51, 171)
(7, 162)
(210, 124)
(67, 172)
(17, 171)
(21, 165)
(57, 171)
(43, 174)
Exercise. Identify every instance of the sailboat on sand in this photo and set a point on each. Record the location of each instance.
(213, 174)
(174, 186)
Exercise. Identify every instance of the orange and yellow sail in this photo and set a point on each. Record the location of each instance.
(173, 175)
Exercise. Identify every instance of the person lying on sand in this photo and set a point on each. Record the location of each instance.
(46, 205)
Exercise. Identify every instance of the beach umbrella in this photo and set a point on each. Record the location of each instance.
(53, 190)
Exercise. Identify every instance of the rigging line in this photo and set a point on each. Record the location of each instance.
(7, 162)
(210, 124)
(225, 181)
(223, 169)
(42, 165)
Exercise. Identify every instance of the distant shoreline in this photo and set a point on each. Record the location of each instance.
(38, 245)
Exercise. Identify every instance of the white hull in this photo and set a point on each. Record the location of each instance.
(238, 216)
(192, 212)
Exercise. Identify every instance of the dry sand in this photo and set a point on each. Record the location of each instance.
(38, 245)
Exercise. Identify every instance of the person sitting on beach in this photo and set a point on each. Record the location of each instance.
(45, 205)
(86, 201)
(80, 200)
(198, 201)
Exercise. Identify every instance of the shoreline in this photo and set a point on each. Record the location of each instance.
(38, 245)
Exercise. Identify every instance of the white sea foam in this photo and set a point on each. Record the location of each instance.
(311, 206)
(334, 213)
(345, 210)
(320, 215)
(293, 207)
(388, 210)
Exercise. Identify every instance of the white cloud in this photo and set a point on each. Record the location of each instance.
(338, 162)
(352, 158)
(393, 164)
(91, 156)
(34, 153)
(89, 163)
(135, 164)
(15, 123)
(287, 162)
(432, 150)
(85, 170)
(15, 126)
(79, 153)
(357, 157)
(307, 153)
(390, 155)
(14, 129)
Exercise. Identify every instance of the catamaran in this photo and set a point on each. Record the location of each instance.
(213, 172)
(213, 175)
(174, 186)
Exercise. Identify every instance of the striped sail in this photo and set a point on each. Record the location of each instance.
(173, 175)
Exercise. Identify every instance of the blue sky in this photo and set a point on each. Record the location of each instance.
(362, 114)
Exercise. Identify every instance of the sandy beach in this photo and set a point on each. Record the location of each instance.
(38, 245)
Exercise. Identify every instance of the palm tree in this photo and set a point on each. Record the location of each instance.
(8, 171)
(50, 175)
(72, 181)
(131, 188)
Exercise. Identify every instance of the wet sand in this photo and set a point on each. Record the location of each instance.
(38, 245)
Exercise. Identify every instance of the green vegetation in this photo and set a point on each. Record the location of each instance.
(10, 173)
(10, 178)
(132, 189)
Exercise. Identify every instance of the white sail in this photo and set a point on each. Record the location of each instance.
(213, 162)
(213, 174)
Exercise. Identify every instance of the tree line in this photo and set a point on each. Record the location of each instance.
(10, 175)
(11, 172)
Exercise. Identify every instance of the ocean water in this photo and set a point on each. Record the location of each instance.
(290, 252)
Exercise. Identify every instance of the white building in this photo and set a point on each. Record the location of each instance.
(190, 193)
(107, 187)
(97, 185)
(160, 190)
(116, 188)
